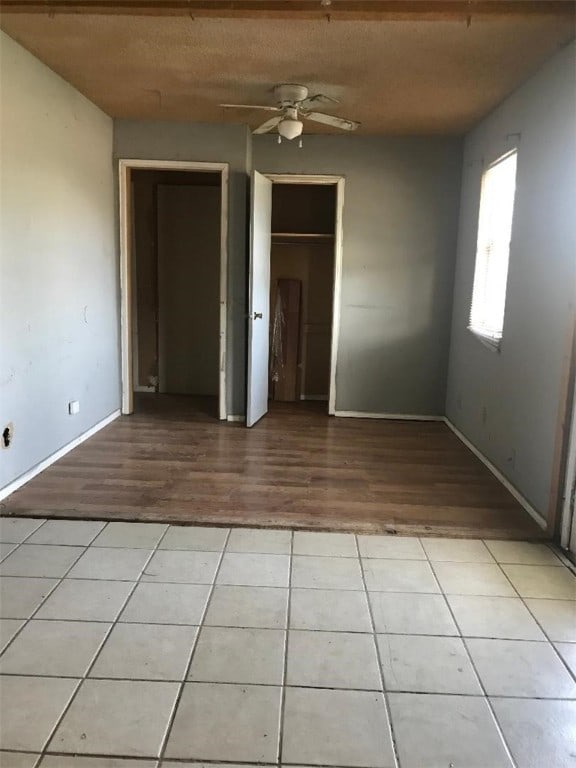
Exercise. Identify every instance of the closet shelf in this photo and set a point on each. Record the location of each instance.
(302, 237)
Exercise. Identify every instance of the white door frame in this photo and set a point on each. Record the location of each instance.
(568, 513)
(338, 182)
(125, 167)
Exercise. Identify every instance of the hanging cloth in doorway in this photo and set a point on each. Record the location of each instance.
(276, 342)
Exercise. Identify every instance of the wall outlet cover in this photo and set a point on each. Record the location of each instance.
(73, 407)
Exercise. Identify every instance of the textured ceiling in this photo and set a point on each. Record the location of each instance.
(400, 77)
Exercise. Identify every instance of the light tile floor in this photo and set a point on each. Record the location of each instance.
(134, 645)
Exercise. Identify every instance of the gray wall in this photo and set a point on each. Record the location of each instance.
(400, 223)
(206, 143)
(58, 274)
(520, 387)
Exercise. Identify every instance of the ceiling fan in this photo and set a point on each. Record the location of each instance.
(292, 103)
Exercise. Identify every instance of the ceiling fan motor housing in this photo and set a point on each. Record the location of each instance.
(289, 94)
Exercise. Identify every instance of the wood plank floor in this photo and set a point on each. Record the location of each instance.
(172, 461)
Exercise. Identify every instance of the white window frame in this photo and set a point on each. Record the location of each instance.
(491, 337)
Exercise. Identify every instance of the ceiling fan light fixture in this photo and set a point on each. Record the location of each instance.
(290, 129)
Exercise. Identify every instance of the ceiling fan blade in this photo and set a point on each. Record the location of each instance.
(268, 125)
(250, 106)
(319, 98)
(335, 122)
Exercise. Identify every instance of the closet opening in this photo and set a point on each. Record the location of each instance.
(173, 313)
(302, 279)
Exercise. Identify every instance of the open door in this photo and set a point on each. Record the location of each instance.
(259, 299)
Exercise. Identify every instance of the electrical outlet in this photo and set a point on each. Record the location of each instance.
(73, 407)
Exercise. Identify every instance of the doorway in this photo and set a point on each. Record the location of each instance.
(173, 259)
(294, 291)
(301, 291)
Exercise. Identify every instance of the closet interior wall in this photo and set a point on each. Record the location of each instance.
(303, 229)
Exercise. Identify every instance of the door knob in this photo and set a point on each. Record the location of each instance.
(257, 316)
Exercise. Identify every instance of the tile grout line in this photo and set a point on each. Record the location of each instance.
(568, 601)
(79, 681)
(25, 623)
(525, 604)
(14, 544)
(59, 581)
(25, 539)
(457, 634)
(90, 666)
(29, 619)
(185, 762)
(17, 546)
(562, 659)
(295, 686)
(481, 684)
(548, 639)
(280, 746)
(562, 556)
(386, 698)
(172, 717)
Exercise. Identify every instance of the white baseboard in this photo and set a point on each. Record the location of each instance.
(235, 417)
(27, 476)
(314, 397)
(391, 416)
(534, 514)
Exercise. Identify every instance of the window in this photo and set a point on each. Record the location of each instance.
(493, 249)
